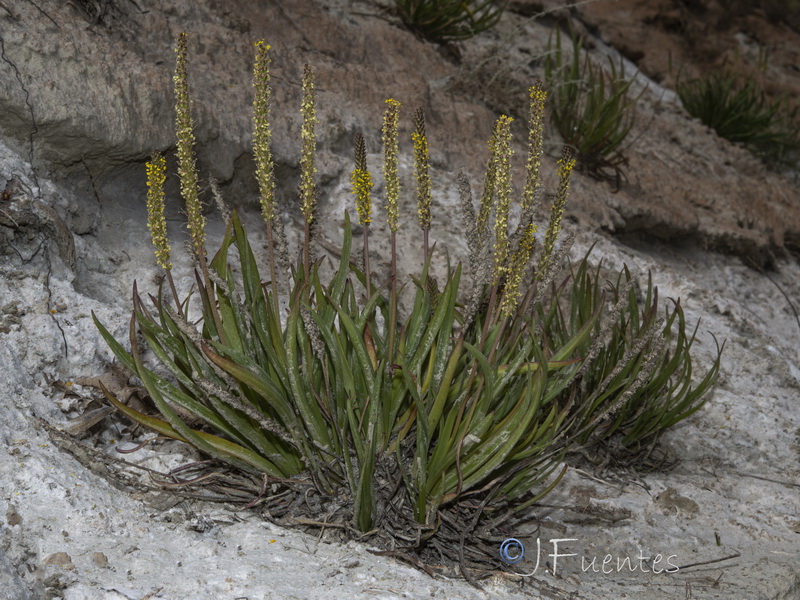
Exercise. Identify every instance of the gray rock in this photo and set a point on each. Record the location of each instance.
(89, 97)
(11, 585)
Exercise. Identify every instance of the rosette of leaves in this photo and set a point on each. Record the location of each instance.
(742, 113)
(590, 108)
(449, 20)
(422, 428)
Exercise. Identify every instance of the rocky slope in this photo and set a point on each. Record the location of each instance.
(87, 96)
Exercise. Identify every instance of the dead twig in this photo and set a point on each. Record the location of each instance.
(705, 562)
(778, 481)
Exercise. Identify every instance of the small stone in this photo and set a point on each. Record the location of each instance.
(58, 558)
(673, 503)
(99, 559)
(13, 517)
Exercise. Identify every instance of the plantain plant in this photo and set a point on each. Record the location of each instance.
(449, 20)
(418, 428)
(742, 113)
(591, 109)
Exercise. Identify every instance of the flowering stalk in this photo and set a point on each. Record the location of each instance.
(187, 169)
(502, 183)
(156, 176)
(537, 97)
(362, 188)
(265, 167)
(497, 184)
(516, 271)
(391, 118)
(156, 169)
(565, 166)
(529, 204)
(485, 207)
(422, 176)
(307, 170)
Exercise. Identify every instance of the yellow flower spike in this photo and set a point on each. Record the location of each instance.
(187, 172)
(362, 182)
(309, 144)
(537, 97)
(156, 223)
(565, 166)
(265, 168)
(391, 120)
(362, 189)
(501, 165)
(262, 154)
(422, 170)
(517, 270)
(187, 169)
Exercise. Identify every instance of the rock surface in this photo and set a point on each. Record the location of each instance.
(87, 97)
(88, 102)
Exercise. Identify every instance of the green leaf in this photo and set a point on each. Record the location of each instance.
(220, 446)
